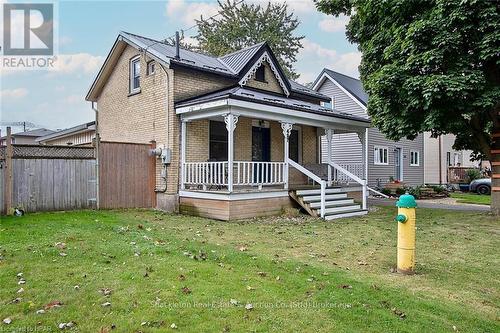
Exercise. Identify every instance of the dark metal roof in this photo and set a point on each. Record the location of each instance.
(258, 96)
(352, 85)
(230, 64)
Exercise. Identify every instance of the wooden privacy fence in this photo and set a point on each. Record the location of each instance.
(458, 175)
(45, 178)
(126, 175)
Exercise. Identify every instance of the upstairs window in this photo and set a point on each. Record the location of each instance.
(260, 74)
(135, 74)
(151, 67)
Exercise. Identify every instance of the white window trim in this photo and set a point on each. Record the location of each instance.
(376, 150)
(417, 152)
(149, 64)
(131, 75)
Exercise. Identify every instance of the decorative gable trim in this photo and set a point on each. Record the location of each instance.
(265, 57)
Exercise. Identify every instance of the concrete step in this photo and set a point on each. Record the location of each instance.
(332, 203)
(328, 197)
(318, 191)
(346, 214)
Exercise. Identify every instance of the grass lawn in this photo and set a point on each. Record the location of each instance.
(472, 198)
(300, 274)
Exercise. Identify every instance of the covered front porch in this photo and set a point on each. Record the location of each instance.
(251, 153)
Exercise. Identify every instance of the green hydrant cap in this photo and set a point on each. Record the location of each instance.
(401, 218)
(406, 201)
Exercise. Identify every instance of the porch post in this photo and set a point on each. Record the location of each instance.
(363, 137)
(230, 120)
(183, 153)
(287, 128)
(329, 138)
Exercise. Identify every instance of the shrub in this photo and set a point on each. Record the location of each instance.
(438, 189)
(386, 191)
(415, 191)
(400, 191)
(472, 174)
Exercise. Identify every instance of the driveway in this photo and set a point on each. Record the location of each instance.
(438, 203)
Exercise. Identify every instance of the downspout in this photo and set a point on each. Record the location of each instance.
(97, 139)
(167, 145)
(440, 160)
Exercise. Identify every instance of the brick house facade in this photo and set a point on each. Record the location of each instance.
(186, 92)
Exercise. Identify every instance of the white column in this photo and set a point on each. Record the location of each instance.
(329, 139)
(230, 120)
(183, 153)
(287, 129)
(363, 138)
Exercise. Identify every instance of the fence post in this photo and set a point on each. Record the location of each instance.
(9, 174)
(152, 175)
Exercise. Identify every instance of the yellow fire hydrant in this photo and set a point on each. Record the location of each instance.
(406, 233)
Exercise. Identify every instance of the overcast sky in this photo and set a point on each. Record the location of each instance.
(87, 30)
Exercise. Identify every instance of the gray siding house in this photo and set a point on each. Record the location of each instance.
(402, 160)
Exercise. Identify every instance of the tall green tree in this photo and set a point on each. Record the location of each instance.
(240, 24)
(430, 65)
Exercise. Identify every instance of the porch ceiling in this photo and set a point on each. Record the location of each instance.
(260, 105)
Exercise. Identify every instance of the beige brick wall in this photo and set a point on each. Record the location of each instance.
(272, 83)
(197, 141)
(138, 118)
(188, 83)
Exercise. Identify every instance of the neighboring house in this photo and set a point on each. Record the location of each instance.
(236, 134)
(402, 160)
(27, 137)
(439, 155)
(80, 135)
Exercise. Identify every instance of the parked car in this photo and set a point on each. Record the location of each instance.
(481, 186)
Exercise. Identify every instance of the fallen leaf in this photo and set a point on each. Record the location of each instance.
(173, 326)
(105, 291)
(186, 290)
(53, 304)
(19, 275)
(233, 301)
(399, 313)
(41, 311)
(60, 245)
(21, 290)
(62, 254)
(21, 282)
(76, 287)
(345, 286)
(243, 248)
(249, 306)
(7, 321)
(106, 304)
(182, 277)
(263, 274)
(249, 288)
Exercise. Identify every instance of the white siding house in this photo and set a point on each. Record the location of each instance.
(402, 160)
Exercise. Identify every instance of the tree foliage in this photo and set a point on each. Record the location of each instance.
(241, 25)
(428, 65)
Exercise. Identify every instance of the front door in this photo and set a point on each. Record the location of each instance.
(398, 163)
(261, 150)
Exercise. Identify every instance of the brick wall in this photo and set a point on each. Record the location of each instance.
(189, 83)
(271, 83)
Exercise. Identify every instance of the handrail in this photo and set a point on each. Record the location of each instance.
(305, 171)
(363, 182)
(377, 192)
(314, 177)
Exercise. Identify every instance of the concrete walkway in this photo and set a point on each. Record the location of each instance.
(432, 204)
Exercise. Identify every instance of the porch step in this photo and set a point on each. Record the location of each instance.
(337, 203)
(328, 197)
(332, 203)
(346, 214)
(318, 191)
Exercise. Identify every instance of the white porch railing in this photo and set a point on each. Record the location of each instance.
(363, 182)
(314, 177)
(245, 173)
(355, 169)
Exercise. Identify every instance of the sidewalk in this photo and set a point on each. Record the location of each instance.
(439, 204)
